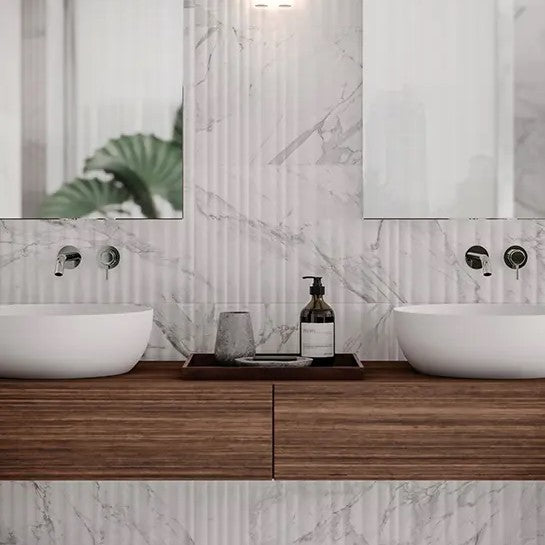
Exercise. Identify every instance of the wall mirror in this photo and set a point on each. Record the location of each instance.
(91, 108)
(453, 94)
(453, 108)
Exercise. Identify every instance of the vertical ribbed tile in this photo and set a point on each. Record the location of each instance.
(272, 513)
(380, 265)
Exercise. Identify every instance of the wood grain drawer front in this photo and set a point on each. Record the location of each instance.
(136, 431)
(413, 430)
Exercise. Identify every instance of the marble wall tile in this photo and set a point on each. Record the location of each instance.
(276, 513)
(369, 267)
(365, 329)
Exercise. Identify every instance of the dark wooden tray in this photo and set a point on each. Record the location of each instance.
(206, 367)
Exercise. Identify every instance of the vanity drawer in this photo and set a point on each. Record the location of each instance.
(87, 430)
(453, 429)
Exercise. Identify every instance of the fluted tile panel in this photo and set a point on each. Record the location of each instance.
(378, 265)
(279, 513)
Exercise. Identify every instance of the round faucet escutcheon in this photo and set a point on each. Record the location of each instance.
(515, 257)
(108, 258)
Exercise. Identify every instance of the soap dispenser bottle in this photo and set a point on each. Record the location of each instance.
(317, 331)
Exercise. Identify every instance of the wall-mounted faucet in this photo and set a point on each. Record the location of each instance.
(67, 258)
(477, 258)
(515, 258)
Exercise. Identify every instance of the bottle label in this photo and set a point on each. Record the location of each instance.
(317, 340)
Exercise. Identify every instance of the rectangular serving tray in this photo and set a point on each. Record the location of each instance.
(206, 367)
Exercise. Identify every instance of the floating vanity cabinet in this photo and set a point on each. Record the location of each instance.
(148, 424)
(397, 424)
(394, 424)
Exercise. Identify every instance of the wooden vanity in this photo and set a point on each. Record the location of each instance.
(394, 424)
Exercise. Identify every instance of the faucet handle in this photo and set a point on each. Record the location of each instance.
(477, 258)
(515, 258)
(108, 258)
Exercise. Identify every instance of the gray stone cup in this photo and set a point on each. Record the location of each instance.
(235, 337)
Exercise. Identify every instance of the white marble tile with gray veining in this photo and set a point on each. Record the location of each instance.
(368, 268)
(275, 513)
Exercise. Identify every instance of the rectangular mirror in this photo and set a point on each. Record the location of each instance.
(453, 102)
(91, 108)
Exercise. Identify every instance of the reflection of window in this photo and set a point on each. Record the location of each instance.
(125, 68)
(92, 70)
(10, 109)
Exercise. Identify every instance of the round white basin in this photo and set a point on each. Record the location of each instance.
(501, 341)
(72, 341)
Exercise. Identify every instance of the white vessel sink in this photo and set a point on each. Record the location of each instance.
(474, 340)
(72, 341)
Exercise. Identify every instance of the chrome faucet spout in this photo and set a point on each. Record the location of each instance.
(487, 268)
(477, 258)
(67, 258)
(59, 267)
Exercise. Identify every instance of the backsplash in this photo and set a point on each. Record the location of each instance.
(369, 267)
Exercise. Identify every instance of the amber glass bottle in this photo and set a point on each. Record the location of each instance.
(317, 327)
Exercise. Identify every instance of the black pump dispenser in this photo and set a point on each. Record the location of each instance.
(317, 331)
(317, 287)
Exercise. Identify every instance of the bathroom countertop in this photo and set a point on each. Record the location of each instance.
(375, 371)
(160, 374)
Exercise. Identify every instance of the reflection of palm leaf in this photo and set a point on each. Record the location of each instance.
(82, 197)
(178, 132)
(145, 165)
(141, 167)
